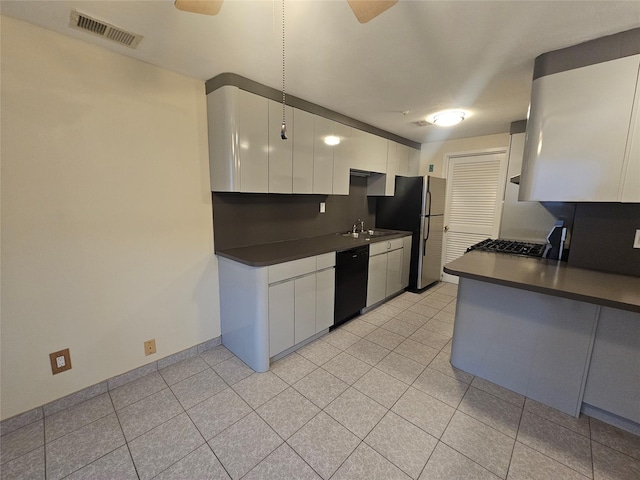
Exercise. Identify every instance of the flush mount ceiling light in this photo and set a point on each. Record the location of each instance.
(332, 140)
(447, 118)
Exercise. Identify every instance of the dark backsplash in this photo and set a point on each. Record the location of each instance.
(243, 219)
(602, 237)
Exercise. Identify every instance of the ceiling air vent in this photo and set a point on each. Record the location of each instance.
(84, 22)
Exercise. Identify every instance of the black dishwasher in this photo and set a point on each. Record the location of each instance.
(352, 267)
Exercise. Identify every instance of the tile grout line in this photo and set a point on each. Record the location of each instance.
(513, 448)
(44, 444)
(135, 467)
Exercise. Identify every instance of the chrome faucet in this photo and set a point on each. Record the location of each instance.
(355, 226)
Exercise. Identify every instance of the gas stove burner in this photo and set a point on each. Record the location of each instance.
(510, 246)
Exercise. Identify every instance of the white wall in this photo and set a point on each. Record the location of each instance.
(434, 153)
(107, 236)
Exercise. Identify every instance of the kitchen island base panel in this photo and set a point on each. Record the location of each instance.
(613, 383)
(610, 418)
(533, 344)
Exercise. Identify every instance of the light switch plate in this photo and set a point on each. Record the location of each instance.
(636, 241)
(322, 207)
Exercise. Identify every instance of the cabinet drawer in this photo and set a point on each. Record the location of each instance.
(378, 248)
(385, 246)
(326, 260)
(395, 244)
(295, 268)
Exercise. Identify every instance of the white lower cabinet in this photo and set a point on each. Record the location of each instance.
(301, 300)
(377, 281)
(386, 270)
(406, 260)
(292, 312)
(267, 310)
(281, 316)
(394, 271)
(325, 298)
(305, 308)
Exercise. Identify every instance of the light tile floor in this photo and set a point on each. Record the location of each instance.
(374, 399)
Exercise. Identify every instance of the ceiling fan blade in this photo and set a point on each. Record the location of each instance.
(207, 7)
(366, 10)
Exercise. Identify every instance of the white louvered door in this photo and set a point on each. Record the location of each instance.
(475, 191)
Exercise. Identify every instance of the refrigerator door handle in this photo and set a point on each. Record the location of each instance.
(426, 237)
(428, 205)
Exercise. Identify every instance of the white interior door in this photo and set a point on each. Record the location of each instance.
(475, 191)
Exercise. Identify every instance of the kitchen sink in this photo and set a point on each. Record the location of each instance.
(377, 233)
(366, 234)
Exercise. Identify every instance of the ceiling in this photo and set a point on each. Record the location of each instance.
(418, 57)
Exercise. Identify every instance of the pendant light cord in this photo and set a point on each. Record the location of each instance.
(283, 130)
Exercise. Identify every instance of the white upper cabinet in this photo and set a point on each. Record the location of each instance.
(369, 152)
(413, 168)
(303, 152)
(393, 167)
(238, 141)
(581, 143)
(322, 155)
(402, 153)
(247, 154)
(341, 159)
(280, 151)
(631, 183)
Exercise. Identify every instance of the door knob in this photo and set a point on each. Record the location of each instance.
(446, 228)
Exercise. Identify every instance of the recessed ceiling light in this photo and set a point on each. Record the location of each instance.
(332, 140)
(447, 118)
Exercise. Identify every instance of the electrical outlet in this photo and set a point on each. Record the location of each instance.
(150, 346)
(636, 241)
(60, 361)
(322, 207)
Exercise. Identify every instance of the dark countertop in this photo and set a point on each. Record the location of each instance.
(550, 277)
(279, 252)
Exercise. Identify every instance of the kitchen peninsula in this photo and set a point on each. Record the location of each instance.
(568, 337)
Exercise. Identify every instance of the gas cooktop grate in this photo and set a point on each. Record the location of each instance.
(510, 246)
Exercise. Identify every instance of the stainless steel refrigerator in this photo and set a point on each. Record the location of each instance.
(418, 207)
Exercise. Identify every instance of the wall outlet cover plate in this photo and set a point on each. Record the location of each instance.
(150, 347)
(60, 361)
